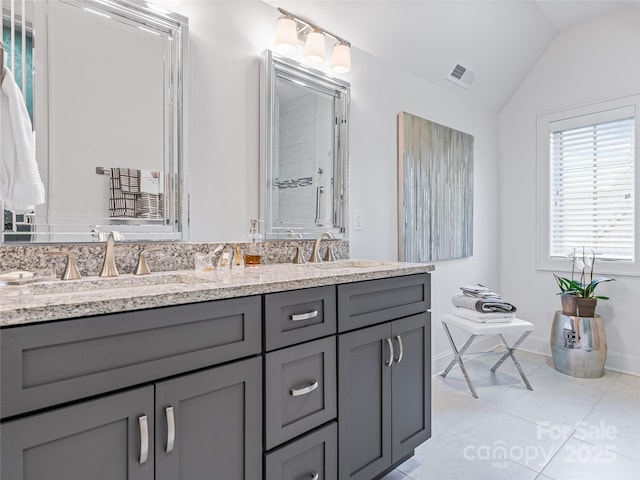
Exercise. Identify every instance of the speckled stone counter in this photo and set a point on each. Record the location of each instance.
(93, 296)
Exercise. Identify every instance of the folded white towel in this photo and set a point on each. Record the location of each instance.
(20, 182)
(492, 317)
(151, 182)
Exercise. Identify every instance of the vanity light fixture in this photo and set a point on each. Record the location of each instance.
(315, 50)
(286, 35)
(290, 27)
(341, 58)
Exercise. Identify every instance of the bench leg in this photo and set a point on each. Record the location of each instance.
(509, 353)
(458, 358)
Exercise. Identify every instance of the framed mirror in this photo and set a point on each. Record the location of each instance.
(108, 86)
(304, 150)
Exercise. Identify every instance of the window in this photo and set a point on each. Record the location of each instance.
(587, 185)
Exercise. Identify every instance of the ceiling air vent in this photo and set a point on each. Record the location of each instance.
(461, 76)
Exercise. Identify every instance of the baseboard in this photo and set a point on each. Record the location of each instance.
(616, 362)
(539, 345)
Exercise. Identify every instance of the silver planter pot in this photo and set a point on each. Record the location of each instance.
(578, 345)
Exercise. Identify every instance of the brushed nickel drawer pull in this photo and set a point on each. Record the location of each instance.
(296, 392)
(401, 347)
(389, 362)
(171, 429)
(315, 476)
(304, 316)
(144, 439)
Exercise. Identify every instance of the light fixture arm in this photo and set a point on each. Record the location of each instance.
(313, 26)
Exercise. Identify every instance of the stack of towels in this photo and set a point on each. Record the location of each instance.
(479, 304)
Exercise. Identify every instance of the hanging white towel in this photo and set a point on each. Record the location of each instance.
(20, 182)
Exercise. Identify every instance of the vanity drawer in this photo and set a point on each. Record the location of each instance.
(298, 316)
(52, 363)
(315, 453)
(300, 389)
(375, 301)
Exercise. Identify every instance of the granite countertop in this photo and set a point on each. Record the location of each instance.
(58, 300)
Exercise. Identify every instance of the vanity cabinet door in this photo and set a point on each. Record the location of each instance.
(384, 402)
(209, 424)
(103, 439)
(411, 384)
(364, 403)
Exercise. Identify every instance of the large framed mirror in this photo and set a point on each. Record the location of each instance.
(108, 82)
(304, 150)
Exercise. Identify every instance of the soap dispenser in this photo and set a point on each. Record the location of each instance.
(253, 254)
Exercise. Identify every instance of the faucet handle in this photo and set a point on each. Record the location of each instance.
(329, 256)
(142, 268)
(299, 258)
(71, 271)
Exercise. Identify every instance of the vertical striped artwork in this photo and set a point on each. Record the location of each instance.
(435, 191)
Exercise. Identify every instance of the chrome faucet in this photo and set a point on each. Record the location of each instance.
(315, 254)
(109, 266)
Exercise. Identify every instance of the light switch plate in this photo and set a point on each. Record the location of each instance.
(358, 219)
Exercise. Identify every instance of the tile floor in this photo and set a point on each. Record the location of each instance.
(566, 428)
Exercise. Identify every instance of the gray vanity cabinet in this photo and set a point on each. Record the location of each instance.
(208, 424)
(326, 383)
(97, 439)
(385, 395)
(384, 375)
(188, 377)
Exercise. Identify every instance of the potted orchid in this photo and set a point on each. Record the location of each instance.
(578, 296)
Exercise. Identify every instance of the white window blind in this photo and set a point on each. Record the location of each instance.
(592, 186)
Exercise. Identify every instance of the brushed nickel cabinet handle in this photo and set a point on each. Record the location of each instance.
(389, 362)
(304, 316)
(400, 346)
(296, 392)
(144, 438)
(171, 429)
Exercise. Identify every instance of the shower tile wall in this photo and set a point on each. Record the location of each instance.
(297, 152)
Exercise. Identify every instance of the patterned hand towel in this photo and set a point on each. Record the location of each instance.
(121, 203)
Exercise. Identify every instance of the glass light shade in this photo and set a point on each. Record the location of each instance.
(314, 48)
(286, 35)
(341, 58)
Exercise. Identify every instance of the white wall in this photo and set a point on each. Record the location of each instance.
(592, 62)
(226, 39)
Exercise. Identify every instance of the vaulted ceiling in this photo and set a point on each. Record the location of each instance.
(499, 40)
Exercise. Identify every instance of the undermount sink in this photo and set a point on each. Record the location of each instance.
(122, 281)
(351, 264)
